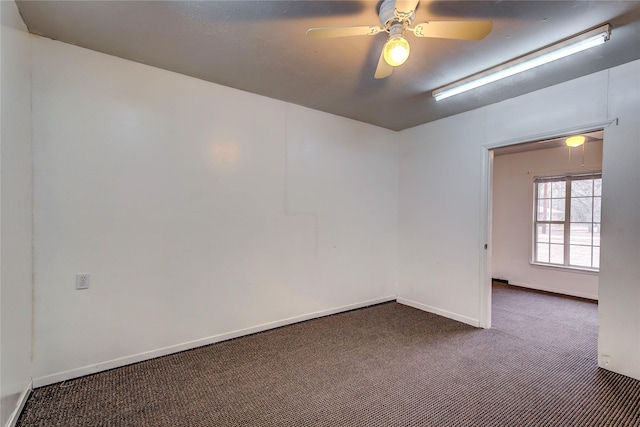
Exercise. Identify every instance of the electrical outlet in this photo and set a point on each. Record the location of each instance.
(82, 281)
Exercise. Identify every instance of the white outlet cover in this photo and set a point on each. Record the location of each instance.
(83, 281)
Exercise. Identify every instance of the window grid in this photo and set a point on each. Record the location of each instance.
(566, 229)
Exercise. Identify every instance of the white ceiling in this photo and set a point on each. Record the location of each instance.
(261, 47)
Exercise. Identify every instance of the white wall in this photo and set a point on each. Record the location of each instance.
(441, 203)
(200, 212)
(15, 215)
(512, 215)
(439, 236)
(619, 307)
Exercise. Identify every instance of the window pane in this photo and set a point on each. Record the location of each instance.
(544, 210)
(580, 256)
(583, 187)
(557, 233)
(581, 209)
(558, 189)
(557, 209)
(580, 233)
(542, 254)
(597, 201)
(581, 213)
(544, 190)
(597, 187)
(596, 234)
(542, 233)
(556, 254)
(596, 257)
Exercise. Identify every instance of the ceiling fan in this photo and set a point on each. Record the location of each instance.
(396, 17)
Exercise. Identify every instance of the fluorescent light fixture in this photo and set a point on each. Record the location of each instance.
(545, 55)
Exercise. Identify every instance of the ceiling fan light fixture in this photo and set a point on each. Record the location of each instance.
(572, 45)
(396, 17)
(396, 51)
(575, 141)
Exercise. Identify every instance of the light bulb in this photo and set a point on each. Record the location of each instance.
(396, 51)
(575, 141)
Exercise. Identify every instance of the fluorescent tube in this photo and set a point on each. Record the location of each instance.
(545, 55)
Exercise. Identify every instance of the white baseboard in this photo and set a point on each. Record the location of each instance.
(135, 358)
(555, 290)
(440, 312)
(13, 418)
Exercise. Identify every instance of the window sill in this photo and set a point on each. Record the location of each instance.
(565, 268)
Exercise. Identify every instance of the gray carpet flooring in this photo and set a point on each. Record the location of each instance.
(386, 365)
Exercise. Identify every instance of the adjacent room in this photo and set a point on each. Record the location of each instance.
(546, 233)
(273, 213)
(546, 215)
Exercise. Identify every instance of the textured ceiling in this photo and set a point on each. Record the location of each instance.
(261, 47)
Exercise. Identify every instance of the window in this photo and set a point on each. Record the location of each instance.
(566, 226)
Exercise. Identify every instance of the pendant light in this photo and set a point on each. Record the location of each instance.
(575, 141)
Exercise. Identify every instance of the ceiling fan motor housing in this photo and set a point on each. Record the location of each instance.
(389, 15)
(396, 29)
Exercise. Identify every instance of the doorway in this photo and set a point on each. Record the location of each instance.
(546, 205)
(551, 158)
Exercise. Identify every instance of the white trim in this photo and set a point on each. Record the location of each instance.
(486, 242)
(13, 418)
(554, 290)
(440, 312)
(565, 268)
(552, 134)
(486, 224)
(135, 358)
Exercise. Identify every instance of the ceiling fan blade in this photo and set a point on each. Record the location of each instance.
(383, 69)
(406, 5)
(462, 30)
(329, 32)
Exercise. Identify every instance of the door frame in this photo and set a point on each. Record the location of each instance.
(486, 198)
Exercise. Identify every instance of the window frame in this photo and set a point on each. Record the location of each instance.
(568, 179)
